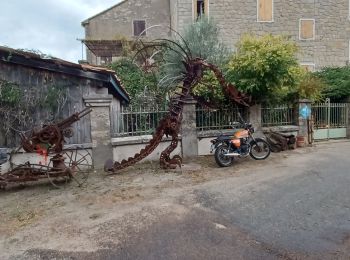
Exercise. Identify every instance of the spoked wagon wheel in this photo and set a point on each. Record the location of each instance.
(57, 177)
(79, 161)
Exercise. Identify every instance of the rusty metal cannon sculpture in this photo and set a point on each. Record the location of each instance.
(48, 142)
(51, 137)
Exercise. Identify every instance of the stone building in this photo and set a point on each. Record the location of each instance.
(320, 27)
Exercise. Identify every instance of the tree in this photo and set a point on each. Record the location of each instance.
(310, 87)
(140, 85)
(337, 82)
(202, 40)
(262, 66)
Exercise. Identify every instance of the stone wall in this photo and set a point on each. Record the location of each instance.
(330, 46)
(117, 22)
(332, 31)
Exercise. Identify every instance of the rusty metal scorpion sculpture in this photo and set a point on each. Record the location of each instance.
(170, 124)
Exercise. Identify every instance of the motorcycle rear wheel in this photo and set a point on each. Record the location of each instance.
(220, 158)
(260, 149)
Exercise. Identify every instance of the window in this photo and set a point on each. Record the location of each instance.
(139, 27)
(265, 10)
(106, 60)
(306, 29)
(308, 66)
(200, 7)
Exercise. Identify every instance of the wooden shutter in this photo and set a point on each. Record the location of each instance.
(206, 7)
(307, 27)
(194, 9)
(139, 27)
(265, 10)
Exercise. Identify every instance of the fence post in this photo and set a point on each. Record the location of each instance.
(188, 129)
(255, 116)
(100, 128)
(303, 112)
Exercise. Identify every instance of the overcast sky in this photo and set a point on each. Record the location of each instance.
(50, 26)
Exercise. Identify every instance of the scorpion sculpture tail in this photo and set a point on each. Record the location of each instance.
(170, 124)
(229, 89)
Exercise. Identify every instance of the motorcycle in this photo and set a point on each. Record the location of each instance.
(241, 144)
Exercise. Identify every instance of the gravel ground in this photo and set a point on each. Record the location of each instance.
(294, 205)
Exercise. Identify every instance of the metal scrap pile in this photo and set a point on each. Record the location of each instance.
(280, 142)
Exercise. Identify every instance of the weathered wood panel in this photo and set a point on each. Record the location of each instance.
(38, 81)
(307, 29)
(265, 10)
(115, 114)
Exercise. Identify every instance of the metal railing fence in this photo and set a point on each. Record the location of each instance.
(135, 121)
(210, 119)
(330, 115)
(277, 116)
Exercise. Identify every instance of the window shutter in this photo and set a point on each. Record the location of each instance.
(307, 29)
(265, 10)
(139, 27)
(206, 7)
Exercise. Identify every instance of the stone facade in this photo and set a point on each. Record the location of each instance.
(117, 22)
(329, 46)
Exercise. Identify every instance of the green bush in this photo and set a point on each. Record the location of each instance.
(337, 82)
(263, 65)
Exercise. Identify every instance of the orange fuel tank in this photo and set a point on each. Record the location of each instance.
(241, 134)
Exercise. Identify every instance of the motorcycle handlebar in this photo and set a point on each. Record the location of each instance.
(242, 125)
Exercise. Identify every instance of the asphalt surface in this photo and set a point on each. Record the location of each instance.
(295, 208)
(305, 209)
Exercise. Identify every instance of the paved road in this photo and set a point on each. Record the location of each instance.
(305, 208)
(295, 208)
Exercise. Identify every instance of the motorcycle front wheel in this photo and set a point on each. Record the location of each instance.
(221, 159)
(260, 149)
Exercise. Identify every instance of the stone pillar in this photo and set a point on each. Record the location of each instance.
(348, 115)
(303, 113)
(255, 117)
(188, 129)
(100, 128)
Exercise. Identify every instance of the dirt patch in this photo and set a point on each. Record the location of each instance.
(104, 212)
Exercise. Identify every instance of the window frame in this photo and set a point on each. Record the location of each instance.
(313, 29)
(194, 11)
(310, 64)
(106, 60)
(272, 11)
(133, 27)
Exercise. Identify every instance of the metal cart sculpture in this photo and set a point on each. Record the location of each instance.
(48, 143)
